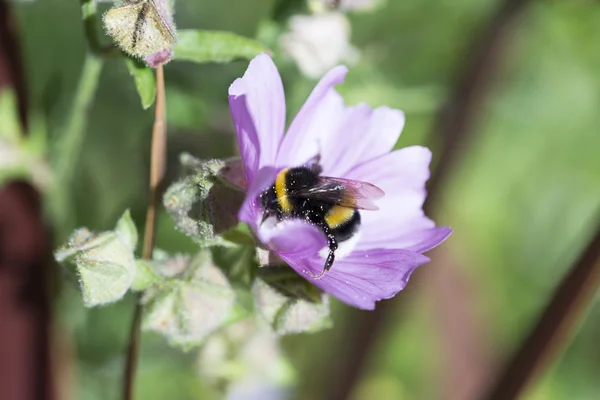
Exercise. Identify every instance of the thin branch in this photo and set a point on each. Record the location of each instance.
(157, 161)
(26, 370)
(66, 151)
(157, 172)
(555, 327)
(89, 11)
(453, 127)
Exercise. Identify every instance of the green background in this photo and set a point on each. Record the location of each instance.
(522, 199)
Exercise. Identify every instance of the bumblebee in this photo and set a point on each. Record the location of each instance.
(332, 204)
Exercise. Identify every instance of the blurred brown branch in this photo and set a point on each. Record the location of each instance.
(555, 326)
(453, 127)
(11, 71)
(25, 263)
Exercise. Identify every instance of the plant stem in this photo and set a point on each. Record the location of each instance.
(158, 161)
(554, 327)
(90, 23)
(68, 145)
(157, 172)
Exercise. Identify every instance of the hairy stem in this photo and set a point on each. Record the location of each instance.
(157, 172)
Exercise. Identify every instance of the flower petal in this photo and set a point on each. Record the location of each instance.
(246, 135)
(402, 175)
(292, 238)
(320, 116)
(419, 241)
(250, 212)
(257, 103)
(365, 135)
(363, 277)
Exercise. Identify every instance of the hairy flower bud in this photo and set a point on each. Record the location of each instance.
(205, 203)
(144, 29)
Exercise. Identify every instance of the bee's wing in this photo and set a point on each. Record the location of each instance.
(345, 193)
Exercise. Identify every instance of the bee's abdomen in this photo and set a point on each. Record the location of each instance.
(343, 221)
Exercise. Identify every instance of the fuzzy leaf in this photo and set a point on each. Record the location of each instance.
(188, 308)
(201, 204)
(145, 276)
(104, 262)
(288, 313)
(127, 230)
(212, 46)
(143, 78)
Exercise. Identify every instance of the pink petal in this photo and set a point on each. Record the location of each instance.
(320, 116)
(401, 175)
(246, 135)
(419, 241)
(366, 134)
(257, 105)
(292, 238)
(251, 212)
(363, 277)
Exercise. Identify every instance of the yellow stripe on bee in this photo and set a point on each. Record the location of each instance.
(338, 215)
(281, 191)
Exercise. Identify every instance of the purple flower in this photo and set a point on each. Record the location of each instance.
(353, 143)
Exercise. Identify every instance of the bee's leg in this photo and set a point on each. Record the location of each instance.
(333, 245)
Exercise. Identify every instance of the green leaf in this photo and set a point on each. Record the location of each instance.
(191, 305)
(126, 228)
(144, 80)
(144, 275)
(104, 262)
(212, 46)
(288, 313)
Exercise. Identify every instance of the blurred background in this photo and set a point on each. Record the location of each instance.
(522, 193)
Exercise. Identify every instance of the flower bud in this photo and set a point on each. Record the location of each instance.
(144, 29)
(203, 204)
